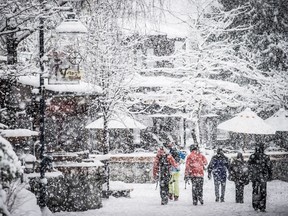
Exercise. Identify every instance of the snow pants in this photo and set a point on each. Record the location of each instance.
(239, 191)
(174, 184)
(217, 184)
(259, 194)
(197, 189)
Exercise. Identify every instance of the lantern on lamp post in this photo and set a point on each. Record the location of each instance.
(69, 26)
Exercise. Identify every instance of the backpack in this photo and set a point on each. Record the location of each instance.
(175, 154)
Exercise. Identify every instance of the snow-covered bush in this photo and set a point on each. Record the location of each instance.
(10, 168)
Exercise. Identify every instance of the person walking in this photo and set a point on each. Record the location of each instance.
(260, 171)
(219, 166)
(175, 172)
(163, 162)
(238, 173)
(194, 171)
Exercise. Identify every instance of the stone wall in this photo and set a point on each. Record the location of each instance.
(139, 169)
(131, 169)
(280, 169)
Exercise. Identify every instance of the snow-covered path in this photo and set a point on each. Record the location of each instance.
(145, 200)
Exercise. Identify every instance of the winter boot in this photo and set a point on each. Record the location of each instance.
(176, 198)
(170, 196)
(164, 201)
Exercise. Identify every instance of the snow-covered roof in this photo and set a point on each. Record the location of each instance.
(3, 58)
(116, 121)
(138, 80)
(28, 157)
(81, 87)
(96, 163)
(18, 133)
(150, 81)
(171, 18)
(3, 125)
(71, 26)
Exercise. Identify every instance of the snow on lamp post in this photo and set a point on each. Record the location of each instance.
(70, 26)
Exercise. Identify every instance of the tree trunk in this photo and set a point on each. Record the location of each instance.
(11, 47)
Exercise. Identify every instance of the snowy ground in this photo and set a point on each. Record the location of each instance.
(145, 200)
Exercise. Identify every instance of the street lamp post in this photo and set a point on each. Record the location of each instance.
(42, 198)
(70, 25)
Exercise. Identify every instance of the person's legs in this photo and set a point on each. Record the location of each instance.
(199, 189)
(237, 191)
(241, 193)
(164, 190)
(223, 187)
(176, 177)
(263, 195)
(255, 195)
(171, 186)
(194, 192)
(216, 186)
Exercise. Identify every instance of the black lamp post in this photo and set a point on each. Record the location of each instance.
(42, 198)
(70, 25)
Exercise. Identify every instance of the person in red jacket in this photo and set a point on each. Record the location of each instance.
(194, 171)
(162, 165)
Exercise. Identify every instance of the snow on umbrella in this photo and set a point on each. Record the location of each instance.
(279, 120)
(247, 122)
(116, 122)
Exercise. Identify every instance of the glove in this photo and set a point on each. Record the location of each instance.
(209, 176)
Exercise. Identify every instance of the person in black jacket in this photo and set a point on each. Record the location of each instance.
(240, 175)
(219, 165)
(260, 171)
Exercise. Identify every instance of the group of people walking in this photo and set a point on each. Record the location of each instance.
(258, 170)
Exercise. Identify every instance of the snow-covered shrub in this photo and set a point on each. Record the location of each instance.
(10, 168)
(20, 201)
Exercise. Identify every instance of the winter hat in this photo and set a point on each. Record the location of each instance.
(219, 151)
(193, 147)
(259, 148)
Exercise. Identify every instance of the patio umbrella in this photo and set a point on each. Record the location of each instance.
(247, 122)
(116, 122)
(279, 120)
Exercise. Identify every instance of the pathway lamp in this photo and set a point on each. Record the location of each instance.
(70, 26)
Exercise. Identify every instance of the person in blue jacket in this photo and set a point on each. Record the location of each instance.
(219, 166)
